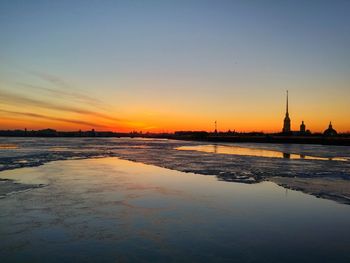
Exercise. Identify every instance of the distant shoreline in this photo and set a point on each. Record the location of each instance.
(341, 140)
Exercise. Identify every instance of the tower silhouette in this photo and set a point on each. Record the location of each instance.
(286, 122)
(302, 127)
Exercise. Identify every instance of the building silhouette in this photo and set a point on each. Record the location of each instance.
(286, 122)
(302, 127)
(330, 131)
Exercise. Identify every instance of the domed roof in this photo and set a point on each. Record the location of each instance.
(330, 131)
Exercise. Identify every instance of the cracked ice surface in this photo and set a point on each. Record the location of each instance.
(25, 152)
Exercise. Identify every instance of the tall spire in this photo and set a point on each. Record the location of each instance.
(286, 122)
(287, 105)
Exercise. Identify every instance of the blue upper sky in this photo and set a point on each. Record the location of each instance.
(209, 57)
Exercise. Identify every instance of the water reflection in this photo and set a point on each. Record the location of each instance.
(237, 150)
(215, 148)
(104, 210)
(8, 146)
(286, 155)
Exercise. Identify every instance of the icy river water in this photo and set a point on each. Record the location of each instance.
(137, 200)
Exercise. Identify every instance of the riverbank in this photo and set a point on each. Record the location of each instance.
(341, 141)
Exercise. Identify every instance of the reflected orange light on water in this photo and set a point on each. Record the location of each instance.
(236, 150)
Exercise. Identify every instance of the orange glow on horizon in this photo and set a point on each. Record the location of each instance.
(262, 114)
(171, 125)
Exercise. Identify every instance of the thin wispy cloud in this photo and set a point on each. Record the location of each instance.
(57, 96)
(67, 95)
(50, 118)
(51, 78)
(62, 87)
(15, 99)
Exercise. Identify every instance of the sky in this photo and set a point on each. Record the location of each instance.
(162, 66)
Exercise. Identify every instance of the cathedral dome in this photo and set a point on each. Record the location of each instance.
(330, 131)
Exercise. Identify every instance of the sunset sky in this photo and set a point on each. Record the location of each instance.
(174, 65)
